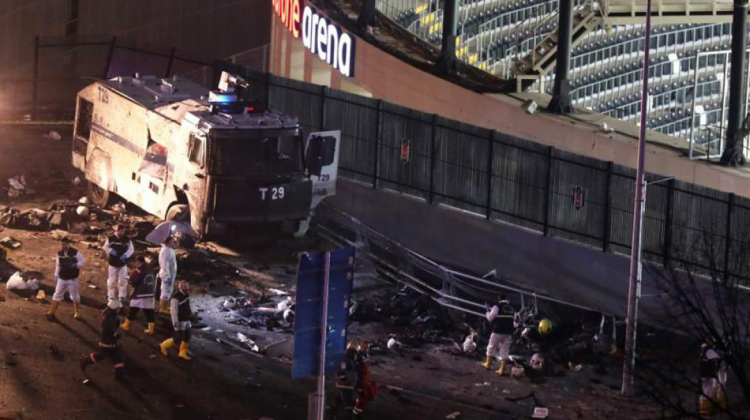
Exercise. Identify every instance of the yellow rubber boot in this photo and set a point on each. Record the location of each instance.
(184, 351)
(150, 329)
(163, 307)
(126, 324)
(705, 408)
(166, 345)
(721, 399)
(487, 363)
(501, 371)
(52, 310)
(77, 310)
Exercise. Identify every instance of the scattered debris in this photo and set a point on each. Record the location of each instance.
(17, 282)
(469, 346)
(41, 295)
(248, 342)
(93, 286)
(229, 303)
(82, 211)
(278, 292)
(119, 208)
(53, 135)
(454, 415)
(540, 413)
(516, 371)
(18, 183)
(575, 367)
(393, 344)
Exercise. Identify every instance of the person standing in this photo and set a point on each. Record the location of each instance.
(109, 343)
(502, 324)
(143, 282)
(181, 314)
(68, 263)
(713, 377)
(119, 248)
(366, 388)
(167, 273)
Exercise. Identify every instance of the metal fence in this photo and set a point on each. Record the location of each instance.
(507, 179)
(485, 173)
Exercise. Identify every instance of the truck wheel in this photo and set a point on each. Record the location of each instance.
(98, 195)
(178, 213)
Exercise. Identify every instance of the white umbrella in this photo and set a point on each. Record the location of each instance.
(165, 229)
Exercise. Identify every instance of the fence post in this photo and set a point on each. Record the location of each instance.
(668, 223)
(547, 189)
(111, 52)
(323, 107)
(728, 238)
(268, 90)
(35, 85)
(433, 141)
(608, 208)
(170, 62)
(490, 159)
(378, 135)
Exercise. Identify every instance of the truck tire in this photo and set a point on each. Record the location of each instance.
(178, 213)
(99, 196)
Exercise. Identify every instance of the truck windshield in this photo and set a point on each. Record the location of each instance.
(252, 156)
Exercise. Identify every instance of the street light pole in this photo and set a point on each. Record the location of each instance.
(634, 292)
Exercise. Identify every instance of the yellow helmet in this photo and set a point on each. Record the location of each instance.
(545, 326)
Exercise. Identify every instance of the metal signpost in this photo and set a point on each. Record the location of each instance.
(324, 285)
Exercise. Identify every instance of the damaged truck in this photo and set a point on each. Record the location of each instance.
(184, 153)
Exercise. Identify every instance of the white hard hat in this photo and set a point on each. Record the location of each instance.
(114, 304)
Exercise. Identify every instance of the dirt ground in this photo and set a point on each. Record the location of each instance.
(40, 378)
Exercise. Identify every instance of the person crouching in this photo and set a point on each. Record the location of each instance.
(109, 343)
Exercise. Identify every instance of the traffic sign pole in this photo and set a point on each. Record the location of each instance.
(323, 339)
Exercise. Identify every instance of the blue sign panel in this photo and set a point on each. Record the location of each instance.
(308, 318)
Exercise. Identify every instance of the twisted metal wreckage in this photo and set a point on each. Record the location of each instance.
(463, 293)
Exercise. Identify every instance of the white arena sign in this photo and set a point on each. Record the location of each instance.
(330, 43)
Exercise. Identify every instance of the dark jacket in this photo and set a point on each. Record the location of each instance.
(110, 329)
(503, 324)
(143, 281)
(183, 300)
(120, 246)
(709, 365)
(68, 264)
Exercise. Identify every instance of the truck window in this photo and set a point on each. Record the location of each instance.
(258, 156)
(195, 150)
(83, 126)
(85, 113)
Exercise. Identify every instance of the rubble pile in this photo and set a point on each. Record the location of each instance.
(74, 217)
(422, 319)
(198, 265)
(271, 313)
(17, 187)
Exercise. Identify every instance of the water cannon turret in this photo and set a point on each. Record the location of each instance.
(229, 82)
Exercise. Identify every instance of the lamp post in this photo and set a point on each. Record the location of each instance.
(634, 291)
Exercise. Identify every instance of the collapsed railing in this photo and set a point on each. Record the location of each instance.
(451, 288)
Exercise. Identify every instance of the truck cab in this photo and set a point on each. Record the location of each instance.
(182, 152)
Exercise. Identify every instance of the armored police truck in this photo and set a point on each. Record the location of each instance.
(182, 152)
